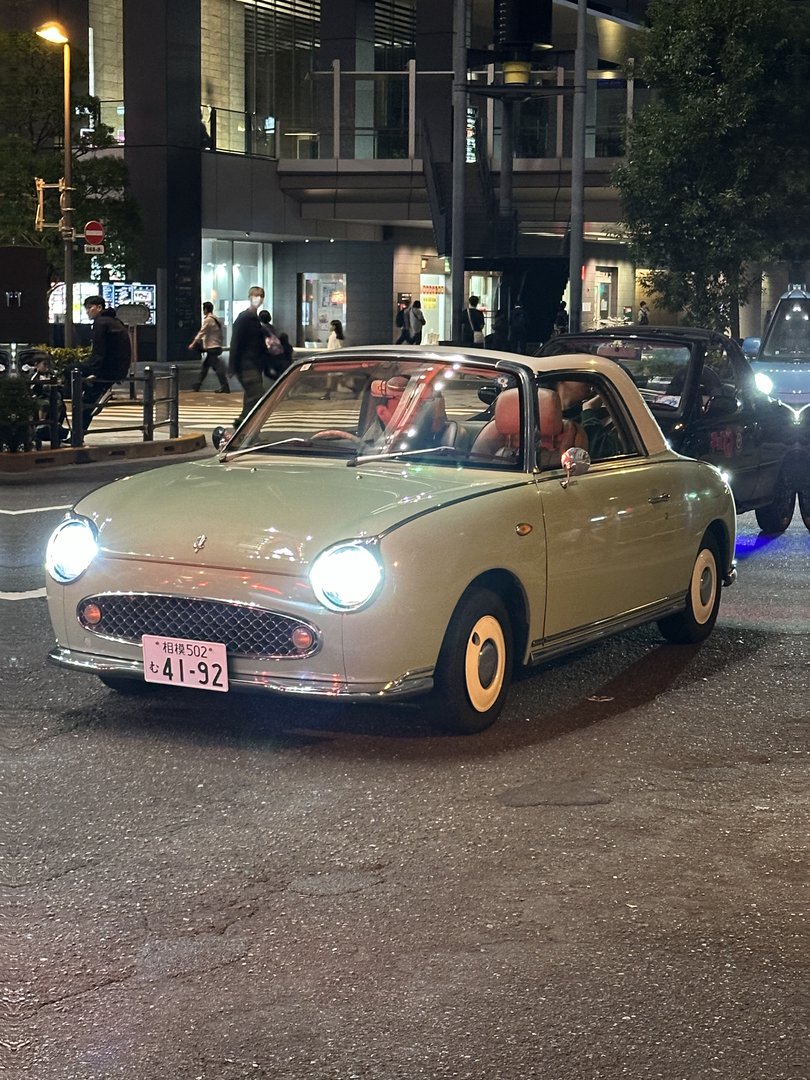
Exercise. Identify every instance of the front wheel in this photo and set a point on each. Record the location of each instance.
(774, 518)
(474, 668)
(804, 507)
(697, 620)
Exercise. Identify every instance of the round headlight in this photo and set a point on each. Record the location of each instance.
(764, 382)
(71, 549)
(346, 576)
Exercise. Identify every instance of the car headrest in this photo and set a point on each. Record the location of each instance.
(551, 418)
(387, 388)
(507, 412)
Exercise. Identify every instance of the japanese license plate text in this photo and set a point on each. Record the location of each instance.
(202, 665)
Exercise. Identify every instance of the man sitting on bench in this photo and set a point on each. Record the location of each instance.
(109, 360)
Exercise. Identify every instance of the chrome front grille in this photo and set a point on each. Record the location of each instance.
(246, 631)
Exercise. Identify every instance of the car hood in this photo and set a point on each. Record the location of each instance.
(255, 513)
(790, 380)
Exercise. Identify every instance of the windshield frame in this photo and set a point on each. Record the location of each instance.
(387, 394)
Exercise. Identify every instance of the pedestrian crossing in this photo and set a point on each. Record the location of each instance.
(204, 412)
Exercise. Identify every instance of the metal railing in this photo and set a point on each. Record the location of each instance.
(156, 390)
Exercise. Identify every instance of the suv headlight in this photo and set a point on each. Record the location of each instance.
(346, 576)
(764, 382)
(72, 547)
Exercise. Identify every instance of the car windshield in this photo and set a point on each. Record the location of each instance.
(788, 336)
(441, 411)
(659, 369)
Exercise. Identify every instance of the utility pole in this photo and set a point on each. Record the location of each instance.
(577, 245)
(459, 159)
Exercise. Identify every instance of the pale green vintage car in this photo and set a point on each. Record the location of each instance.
(392, 522)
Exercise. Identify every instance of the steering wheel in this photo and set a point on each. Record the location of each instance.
(336, 433)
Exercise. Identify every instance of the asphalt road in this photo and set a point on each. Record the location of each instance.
(610, 883)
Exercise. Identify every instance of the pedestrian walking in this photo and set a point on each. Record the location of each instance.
(208, 340)
(249, 351)
(561, 321)
(336, 335)
(472, 324)
(414, 322)
(517, 330)
(399, 321)
(275, 358)
(643, 314)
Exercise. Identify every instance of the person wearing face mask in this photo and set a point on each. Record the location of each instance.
(248, 350)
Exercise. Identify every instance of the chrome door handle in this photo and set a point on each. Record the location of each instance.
(663, 497)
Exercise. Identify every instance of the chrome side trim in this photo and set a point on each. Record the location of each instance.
(407, 684)
(581, 636)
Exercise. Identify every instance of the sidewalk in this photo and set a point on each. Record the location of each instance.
(199, 414)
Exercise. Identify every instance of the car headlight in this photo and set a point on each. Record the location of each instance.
(764, 382)
(346, 577)
(72, 547)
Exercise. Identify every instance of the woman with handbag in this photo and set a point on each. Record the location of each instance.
(472, 324)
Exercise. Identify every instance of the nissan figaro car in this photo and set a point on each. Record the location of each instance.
(419, 532)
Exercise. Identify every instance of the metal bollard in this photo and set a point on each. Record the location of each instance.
(148, 404)
(76, 408)
(174, 402)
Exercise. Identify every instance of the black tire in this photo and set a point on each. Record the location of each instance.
(697, 620)
(804, 507)
(474, 668)
(774, 518)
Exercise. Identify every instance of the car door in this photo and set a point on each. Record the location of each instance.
(776, 432)
(614, 543)
(721, 425)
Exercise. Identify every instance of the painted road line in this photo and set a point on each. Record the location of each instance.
(36, 510)
(32, 594)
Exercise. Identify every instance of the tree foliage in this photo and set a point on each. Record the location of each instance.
(716, 173)
(31, 145)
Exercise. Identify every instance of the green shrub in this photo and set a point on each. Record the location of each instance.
(17, 411)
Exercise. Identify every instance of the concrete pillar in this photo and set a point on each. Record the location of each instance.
(163, 153)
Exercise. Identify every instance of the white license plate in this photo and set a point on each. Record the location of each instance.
(202, 665)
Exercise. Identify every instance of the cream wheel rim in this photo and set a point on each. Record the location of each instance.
(485, 663)
(704, 586)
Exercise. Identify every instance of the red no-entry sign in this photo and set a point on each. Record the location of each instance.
(93, 232)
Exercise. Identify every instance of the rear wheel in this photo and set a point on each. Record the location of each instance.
(475, 665)
(774, 518)
(804, 507)
(697, 620)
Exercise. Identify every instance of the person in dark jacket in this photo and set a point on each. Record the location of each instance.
(110, 355)
(472, 324)
(248, 350)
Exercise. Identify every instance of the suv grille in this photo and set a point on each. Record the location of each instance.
(246, 631)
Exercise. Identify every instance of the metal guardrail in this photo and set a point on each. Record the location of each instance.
(156, 390)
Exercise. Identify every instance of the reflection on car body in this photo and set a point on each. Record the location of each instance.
(702, 391)
(417, 536)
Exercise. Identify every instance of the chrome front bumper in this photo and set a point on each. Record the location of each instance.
(408, 684)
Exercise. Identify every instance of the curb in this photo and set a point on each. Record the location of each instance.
(36, 460)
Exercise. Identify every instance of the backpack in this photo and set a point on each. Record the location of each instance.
(273, 345)
(400, 319)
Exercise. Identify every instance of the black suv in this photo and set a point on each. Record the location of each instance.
(701, 390)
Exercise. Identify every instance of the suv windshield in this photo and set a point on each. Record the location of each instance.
(788, 336)
(442, 411)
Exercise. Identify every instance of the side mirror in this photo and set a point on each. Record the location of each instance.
(575, 461)
(722, 404)
(221, 436)
(750, 347)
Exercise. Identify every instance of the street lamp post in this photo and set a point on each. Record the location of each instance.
(56, 34)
